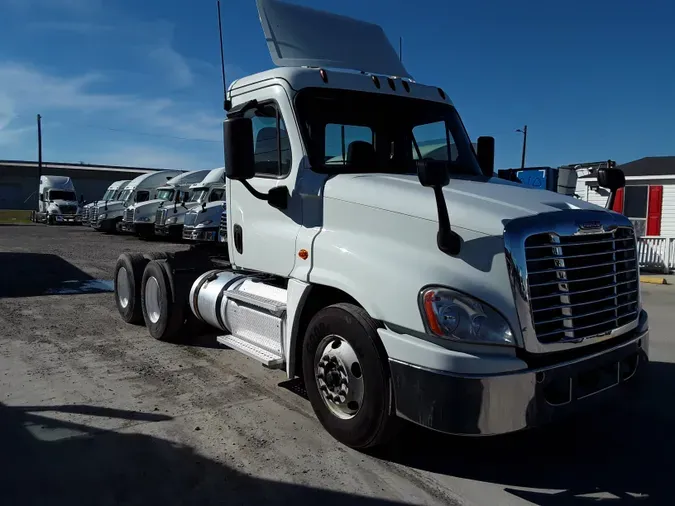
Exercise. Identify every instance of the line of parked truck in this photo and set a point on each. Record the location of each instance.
(170, 203)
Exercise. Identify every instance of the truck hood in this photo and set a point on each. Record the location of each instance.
(473, 204)
(211, 213)
(113, 205)
(180, 210)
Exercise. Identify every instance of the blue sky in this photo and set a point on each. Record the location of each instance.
(133, 82)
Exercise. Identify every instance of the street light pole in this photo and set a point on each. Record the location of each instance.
(524, 132)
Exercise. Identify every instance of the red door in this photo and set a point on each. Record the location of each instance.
(618, 201)
(654, 206)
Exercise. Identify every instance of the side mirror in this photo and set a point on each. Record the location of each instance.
(612, 179)
(433, 173)
(485, 150)
(238, 141)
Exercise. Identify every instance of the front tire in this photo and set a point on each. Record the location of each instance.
(346, 376)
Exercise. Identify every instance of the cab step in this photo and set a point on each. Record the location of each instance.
(268, 359)
(274, 307)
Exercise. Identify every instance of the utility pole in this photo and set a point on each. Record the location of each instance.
(524, 132)
(39, 128)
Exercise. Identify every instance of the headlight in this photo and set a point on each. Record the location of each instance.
(143, 218)
(102, 216)
(453, 315)
(171, 220)
(204, 223)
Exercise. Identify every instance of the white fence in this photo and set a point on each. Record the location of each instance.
(657, 253)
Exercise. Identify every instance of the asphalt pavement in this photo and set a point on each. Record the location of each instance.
(94, 411)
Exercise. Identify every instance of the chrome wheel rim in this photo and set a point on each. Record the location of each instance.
(123, 289)
(339, 376)
(152, 307)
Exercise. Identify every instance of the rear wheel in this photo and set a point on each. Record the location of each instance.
(346, 376)
(163, 311)
(128, 277)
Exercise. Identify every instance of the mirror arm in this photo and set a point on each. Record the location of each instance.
(448, 241)
(253, 191)
(610, 200)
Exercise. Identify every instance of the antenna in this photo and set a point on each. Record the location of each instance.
(226, 102)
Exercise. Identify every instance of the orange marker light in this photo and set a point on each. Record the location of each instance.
(434, 325)
(303, 253)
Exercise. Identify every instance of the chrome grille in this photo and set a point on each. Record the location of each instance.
(160, 216)
(581, 286)
(92, 213)
(129, 215)
(190, 219)
(222, 229)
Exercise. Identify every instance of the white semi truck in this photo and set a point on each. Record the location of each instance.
(139, 218)
(170, 220)
(395, 285)
(140, 189)
(112, 193)
(57, 201)
(203, 223)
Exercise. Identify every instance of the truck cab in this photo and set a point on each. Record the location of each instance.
(140, 189)
(397, 284)
(170, 221)
(57, 201)
(113, 191)
(139, 218)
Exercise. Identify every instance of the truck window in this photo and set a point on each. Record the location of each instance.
(342, 140)
(271, 145)
(61, 195)
(142, 196)
(216, 195)
(432, 142)
(381, 132)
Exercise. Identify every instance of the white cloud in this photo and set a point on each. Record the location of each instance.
(27, 88)
(78, 27)
(173, 65)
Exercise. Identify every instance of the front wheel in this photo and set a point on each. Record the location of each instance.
(346, 376)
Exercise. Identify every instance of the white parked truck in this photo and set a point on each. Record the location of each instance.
(170, 220)
(397, 286)
(204, 223)
(140, 189)
(57, 201)
(113, 192)
(139, 218)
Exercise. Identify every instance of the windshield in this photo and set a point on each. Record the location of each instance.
(198, 194)
(165, 194)
(124, 196)
(358, 132)
(61, 195)
(108, 195)
(117, 195)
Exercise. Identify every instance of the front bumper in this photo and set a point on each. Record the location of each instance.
(169, 230)
(67, 218)
(498, 404)
(127, 226)
(200, 234)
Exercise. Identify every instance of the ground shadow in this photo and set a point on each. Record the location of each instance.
(47, 461)
(624, 450)
(32, 274)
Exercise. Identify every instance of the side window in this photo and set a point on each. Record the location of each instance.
(142, 196)
(271, 145)
(349, 145)
(216, 195)
(432, 141)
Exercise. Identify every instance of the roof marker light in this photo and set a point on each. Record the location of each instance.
(323, 75)
(406, 86)
(392, 85)
(376, 81)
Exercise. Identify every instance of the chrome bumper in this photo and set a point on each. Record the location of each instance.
(200, 234)
(498, 404)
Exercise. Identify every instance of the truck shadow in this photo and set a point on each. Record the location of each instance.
(33, 274)
(626, 451)
(55, 462)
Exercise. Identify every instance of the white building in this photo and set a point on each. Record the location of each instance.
(648, 200)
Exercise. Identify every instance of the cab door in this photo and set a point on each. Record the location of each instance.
(261, 237)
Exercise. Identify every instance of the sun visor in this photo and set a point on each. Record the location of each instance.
(300, 36)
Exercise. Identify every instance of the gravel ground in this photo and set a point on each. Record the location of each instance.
(94, 411)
